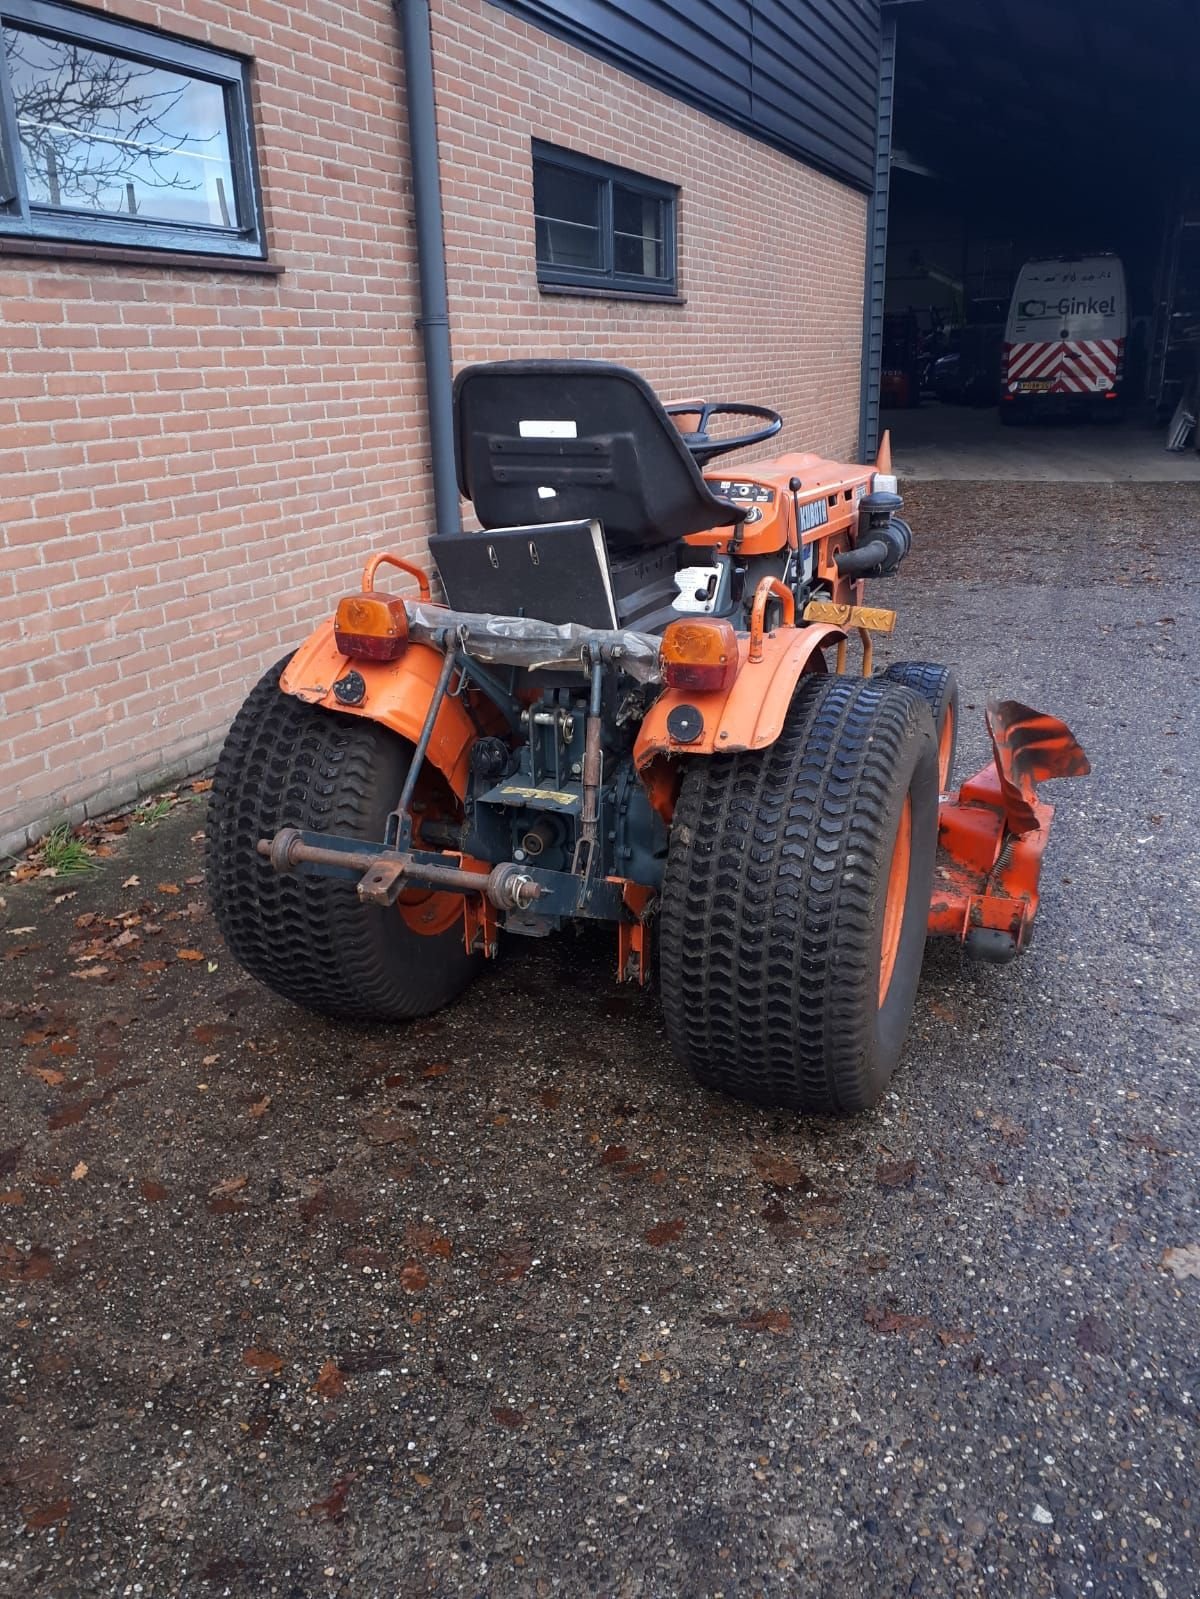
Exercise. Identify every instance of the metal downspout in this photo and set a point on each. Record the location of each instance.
(876, 263)
(434, 318)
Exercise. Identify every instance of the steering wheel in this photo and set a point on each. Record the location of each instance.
(704, 448)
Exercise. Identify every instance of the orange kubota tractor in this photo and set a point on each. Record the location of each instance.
(633, 705)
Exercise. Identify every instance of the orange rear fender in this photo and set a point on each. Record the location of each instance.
(748, 715)
(397, 695)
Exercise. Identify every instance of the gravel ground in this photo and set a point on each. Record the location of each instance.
(500, 1304)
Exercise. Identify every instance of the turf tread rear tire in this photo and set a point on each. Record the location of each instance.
(310, 939)
(938, 686)
(771, 924)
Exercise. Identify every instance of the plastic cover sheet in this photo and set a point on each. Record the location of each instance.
(526, 642)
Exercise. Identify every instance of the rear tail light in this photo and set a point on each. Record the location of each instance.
(371, 627)
(700, 656)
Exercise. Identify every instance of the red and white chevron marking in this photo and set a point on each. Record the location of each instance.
(1067, 366)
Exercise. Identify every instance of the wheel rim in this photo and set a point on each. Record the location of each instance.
(945, 749)
(895, 899)
(430, 911)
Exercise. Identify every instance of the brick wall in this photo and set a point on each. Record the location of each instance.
(193, 463)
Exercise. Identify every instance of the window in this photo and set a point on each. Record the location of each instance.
(112, 134)
(600, 227)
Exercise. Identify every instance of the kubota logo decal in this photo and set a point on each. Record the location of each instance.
(814, 514)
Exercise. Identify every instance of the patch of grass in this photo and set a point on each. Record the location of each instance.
(153, 812)
(63, 852)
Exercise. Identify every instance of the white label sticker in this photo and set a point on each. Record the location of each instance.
(548, 430)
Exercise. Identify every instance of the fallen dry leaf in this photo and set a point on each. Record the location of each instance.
(132, 882)
(507, 1417)
(168, 888)
(12, 1196)
(1183, 1261)
(429, 1241)
(770, 1321)
(152, 1192)
(955, 1335)
(48, 1515)
(18, 1267)
(512, 1263)
(79, 1171)
(895, 1173)
(893, 1321)
(386, 1130)
(229, 1185)
(72, 1115)
(780, 1172)
(48, 1075)
(664, 1232)
(202, 785)
(330, 1383)
(264, 1360)
(189, 955)
(259, 1107)
(413, 1278)
(332, 1507)
(1012, 1132)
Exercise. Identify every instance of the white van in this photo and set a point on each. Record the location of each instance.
(1064, 345)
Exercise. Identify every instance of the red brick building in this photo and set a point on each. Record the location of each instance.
(212, 401)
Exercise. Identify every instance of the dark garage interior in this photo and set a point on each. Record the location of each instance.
(1041, 128)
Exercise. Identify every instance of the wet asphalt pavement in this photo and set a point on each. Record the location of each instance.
(499, 1303)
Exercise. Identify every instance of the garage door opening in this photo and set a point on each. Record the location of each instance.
(1042, 311)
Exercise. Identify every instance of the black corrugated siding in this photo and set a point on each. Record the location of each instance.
(801, 74)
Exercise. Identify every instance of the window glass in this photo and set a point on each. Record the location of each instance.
(638, 233)
(106, 133)
(567, 209)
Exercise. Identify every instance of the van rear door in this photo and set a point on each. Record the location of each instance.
(1066, 328)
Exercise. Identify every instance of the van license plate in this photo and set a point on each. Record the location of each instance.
(1035, 386)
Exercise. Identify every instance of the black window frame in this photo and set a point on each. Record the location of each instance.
(20, 221)
(606, 280)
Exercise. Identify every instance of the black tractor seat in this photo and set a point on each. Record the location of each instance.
(546, 449)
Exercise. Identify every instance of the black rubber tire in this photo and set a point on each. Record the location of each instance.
(310, 939)
(938, 686)
(771, 928)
